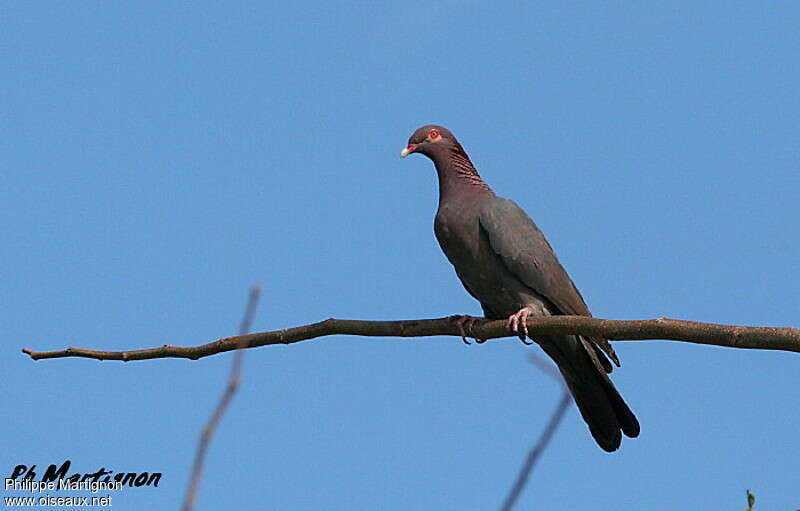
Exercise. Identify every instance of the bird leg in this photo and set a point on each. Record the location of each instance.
(461, 322)
(520, 318)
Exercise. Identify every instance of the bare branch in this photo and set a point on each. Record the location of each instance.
(547, 435)
(766, 338)
(546, 366)
(224, 401)
(538, 449)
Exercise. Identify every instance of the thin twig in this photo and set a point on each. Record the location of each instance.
(768, 338)
(544, 440)
(224, 401)
(546, 367)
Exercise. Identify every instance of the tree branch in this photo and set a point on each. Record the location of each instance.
(765, 338)
(222, 404)
(536, 452)
(544, 440)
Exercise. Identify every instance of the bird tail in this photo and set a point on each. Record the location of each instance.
(599, 402)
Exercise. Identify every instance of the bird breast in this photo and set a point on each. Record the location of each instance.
(480, 269)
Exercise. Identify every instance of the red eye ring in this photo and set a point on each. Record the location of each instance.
(433, 134)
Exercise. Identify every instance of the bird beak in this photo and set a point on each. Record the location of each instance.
(408, 150)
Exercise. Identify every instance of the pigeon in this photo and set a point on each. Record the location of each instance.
(504, 261)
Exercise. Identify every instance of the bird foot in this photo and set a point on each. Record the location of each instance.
(466, 323)
(520, 318)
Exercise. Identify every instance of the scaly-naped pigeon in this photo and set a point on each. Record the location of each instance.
(504, 261)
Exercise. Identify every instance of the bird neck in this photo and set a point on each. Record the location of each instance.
(458, 177)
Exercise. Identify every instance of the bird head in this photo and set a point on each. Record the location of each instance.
(430, 140)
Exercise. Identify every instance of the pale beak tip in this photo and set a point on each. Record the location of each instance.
(405, 152)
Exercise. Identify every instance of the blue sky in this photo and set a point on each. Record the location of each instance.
(160, 158)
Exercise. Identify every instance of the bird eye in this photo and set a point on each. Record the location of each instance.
(433, 134)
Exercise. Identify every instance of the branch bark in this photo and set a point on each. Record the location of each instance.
(732, 336)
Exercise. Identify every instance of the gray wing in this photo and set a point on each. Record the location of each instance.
(526, 253)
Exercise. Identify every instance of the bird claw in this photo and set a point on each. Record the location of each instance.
(468, 322)
(520, 318)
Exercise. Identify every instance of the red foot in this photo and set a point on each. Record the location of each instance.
(520, 318)
(466, 322)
